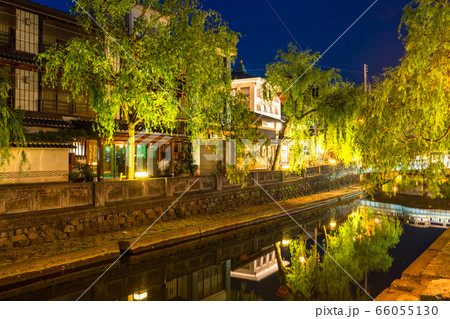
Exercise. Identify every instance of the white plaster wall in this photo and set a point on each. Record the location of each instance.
(43, 165)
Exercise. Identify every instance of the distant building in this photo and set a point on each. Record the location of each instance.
(267, 113)
(259, 268)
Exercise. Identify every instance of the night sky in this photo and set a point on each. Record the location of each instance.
(315, 25)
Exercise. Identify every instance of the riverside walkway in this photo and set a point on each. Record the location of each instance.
(427, 278)
(31, 262)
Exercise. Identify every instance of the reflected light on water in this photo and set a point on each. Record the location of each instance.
(140, 296)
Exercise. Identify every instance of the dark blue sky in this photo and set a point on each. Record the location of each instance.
(315, 25)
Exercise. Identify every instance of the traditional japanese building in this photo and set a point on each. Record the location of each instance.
(27, 29)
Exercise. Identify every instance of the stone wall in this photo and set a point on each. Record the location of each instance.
(43, 165)
(49, 196)
(44, 196)
(23, 229)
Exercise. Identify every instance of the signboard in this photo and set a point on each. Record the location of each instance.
(268, 124)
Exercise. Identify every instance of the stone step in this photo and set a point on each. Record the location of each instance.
(404, 285)
(436, 290)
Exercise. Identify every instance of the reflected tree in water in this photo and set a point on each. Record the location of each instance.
(360, 245)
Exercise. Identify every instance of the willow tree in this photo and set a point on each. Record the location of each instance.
(405, 125)
(360, 245)
(11, 128)
(311, 96)
(163, 68)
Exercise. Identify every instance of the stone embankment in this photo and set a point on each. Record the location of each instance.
(49, 258)
(56, 226)
(427, 278)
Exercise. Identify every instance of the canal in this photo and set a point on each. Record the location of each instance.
(208, 268)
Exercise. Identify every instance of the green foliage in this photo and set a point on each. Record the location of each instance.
(75, 177)
(171, 69)
(62, 136)
(186, 165)
(242, 295)
(11, 128)
(406, 118)
(86, 172)
(360, 245)
(310, 94)
(445, 190)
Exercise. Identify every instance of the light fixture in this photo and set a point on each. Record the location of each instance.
(139, 296)
(377, 220)
(333, 224)
(302, 259)
(332, 161)
(141, 174)
(285, 242)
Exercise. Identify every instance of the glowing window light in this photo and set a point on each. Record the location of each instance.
(285, 242)
(140, 174)
(140, 296)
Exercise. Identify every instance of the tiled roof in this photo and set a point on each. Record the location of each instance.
(241, 72)
(21, 57)
(47, 145)
(47, 122)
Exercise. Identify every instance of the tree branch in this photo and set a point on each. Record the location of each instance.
(426, 139)
(305, 114)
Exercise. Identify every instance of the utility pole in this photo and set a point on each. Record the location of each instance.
(365, 77)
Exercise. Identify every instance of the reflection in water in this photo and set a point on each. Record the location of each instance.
(195, 270)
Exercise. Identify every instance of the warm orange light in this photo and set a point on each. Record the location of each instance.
(302, 259)
(140, 296)
(333, 224)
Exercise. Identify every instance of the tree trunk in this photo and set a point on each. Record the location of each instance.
(365, 281)
(276, 160)
(131, 151)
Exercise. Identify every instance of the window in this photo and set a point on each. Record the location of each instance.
(80, 148)
(7, 28)
(27, 33)
(55, 32)
(26, 90)
(246, 91)
(210, 281)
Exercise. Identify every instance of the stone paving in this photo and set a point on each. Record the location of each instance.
(427, 278)
(61, 252)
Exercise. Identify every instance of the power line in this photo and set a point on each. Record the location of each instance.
(324, 66)
(298, 44)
